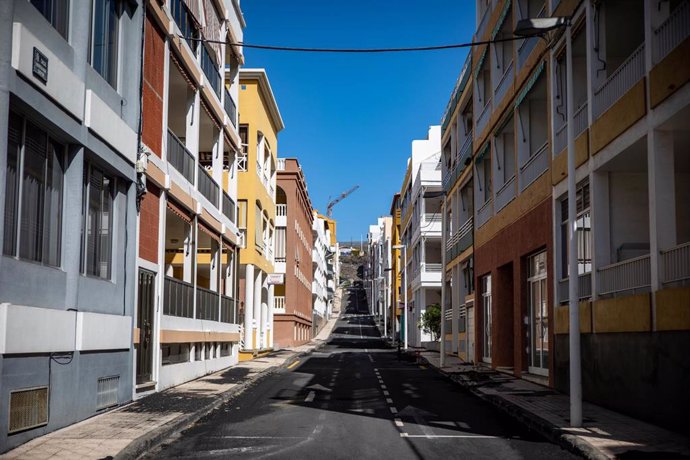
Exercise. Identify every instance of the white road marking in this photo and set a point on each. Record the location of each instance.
(398, 422)
(371, 359)
(383, 387)
(434, 436)
(389, 400)
(393, 410)
(385, 393)
(310, 397)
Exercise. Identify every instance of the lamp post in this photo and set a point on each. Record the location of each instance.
(537, 27)
(404, 249)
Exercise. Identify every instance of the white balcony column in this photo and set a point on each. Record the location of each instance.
(662, 200)
(601, 226)
(269, 327)
(189, 247)
(191, 140)
(214, 267)
(218, 153)
(248, 307)
(257, 325)
(590, 57)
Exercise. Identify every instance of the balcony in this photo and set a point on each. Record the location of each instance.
(505, 194)
(210, 69)
(180, 158)
(528, 44)
(460, 164)
(431, 224)
(185, 22)
(207, 186)
(281, 164)
(481, 27)
(675, 264)
(580, 122)
(534, 167)
(631, 275)
(483, 118)
(504, 84)
(227, 310)
(621, 80)
(178, 298)
(584, 288)
(229, 207)
(279, 304)
(206, 304)
(484, 213)
(230, 108)
(671, 33)
(460, 241)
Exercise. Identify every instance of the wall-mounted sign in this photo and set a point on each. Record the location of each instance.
(40, 66)
(276, 278)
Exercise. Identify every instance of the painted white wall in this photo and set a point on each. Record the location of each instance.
(103, 332)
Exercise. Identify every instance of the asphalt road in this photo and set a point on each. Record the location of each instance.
(355, 399)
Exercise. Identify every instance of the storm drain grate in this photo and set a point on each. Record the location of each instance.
(107, 392)
(28, 409)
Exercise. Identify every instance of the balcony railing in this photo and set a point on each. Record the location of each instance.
(580, 119)
(281, 210)
(281, 164)
(505, 194)
(621, 80)
(242, 159)
(534, 167)
(580, 122)
(560, 139)
(460, 241)
(504, 84)
(528, 44)
(230, 108)
(483, 118)
(279, 303)
(675, 264)
(629, 275)
(178, 298)
(179, 157)
(207, 186)
(210, 69)
(434, 217)
(227, 309)
(229, 207)
(484, 213)
(206, 304)
(259, 169)
(672, 32)
(584, 288)
(432, 267)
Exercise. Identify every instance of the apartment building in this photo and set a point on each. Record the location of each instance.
(69, 124)
(458, 216)
(260, 123)
(186, 323)
(630, 111)
(332, 261)
(421, 231)
(396, 298)
(379, 242)
(293, 318)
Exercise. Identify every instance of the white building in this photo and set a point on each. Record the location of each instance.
(378, 273)
(321, 306)
(421, 231)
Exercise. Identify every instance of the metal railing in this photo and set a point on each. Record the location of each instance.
(259, 169)
(484, 116)
(207, 186)
(505, 194)
(179, 157)
(279, 302)
(671, 32)
(281, 210)
(461, 240)
(534, 167)
(227, 309)
(504, 83)
(584, 288)
(629, 275)
(580, 119)
(230, 108)
(675, 264)
(580, 122)
(206, 304)
(560, 138)
(228, 207)
(433, 217)
(242, 160)
(621, 80)
(281, 164)
(432, 267)
(484, 212)
(178, 298)
(208, 65)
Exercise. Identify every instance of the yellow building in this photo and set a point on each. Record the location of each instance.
(396, 269)
(260, 123)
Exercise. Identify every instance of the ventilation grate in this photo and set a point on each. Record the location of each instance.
(28, 409)
(107, 392)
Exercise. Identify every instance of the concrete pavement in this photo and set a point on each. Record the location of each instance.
(605, 434)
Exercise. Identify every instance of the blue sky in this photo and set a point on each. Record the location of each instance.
(351, 119)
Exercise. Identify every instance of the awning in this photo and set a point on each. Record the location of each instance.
(502, 124)
(530, 83)
(480, 62)
(501, 19)
(179, 211)
(183, 72)
(210, 114)
(480, 156)
(209, 231)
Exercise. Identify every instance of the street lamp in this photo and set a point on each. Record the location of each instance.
(404, 249)
(539, 26)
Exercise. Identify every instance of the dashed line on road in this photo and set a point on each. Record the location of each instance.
(398, 422)
(436, 436)
(389, 400)
(370, 358)
(393, 410)
(310, 397)
(386, 393)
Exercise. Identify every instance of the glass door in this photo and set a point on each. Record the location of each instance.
(539, 317)
(488, 320)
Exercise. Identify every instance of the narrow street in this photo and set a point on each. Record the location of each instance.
(356, 399)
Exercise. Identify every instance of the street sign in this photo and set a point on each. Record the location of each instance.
(40, 66)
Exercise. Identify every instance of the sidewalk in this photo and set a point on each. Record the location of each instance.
(605, 434)
(133, 429)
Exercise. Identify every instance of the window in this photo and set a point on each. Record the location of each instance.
(104, 39)
(186, 22)
(97, 211)
(584, 232)
(56, 12)
(242, 213)
(33, 193)
(197, 351)
(175, 353)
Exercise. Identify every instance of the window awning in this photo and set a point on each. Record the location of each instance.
(179, 211)
(502, 124)
(530, 83)
(482, 153)
(501, 19)
(480, 62)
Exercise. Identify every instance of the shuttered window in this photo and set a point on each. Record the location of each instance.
(97, 224)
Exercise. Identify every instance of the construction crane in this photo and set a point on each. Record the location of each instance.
(332, 203)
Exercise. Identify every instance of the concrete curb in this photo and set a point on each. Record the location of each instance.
(553, 433)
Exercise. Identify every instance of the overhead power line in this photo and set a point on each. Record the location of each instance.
(358, 50)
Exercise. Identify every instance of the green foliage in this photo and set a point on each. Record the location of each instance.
(431, 321)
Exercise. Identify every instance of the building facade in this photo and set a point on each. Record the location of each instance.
(396, 299)
(293, 318)
(320, 256)
(186, 323)
(260, 123)
(69, 125)
(421, 231)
